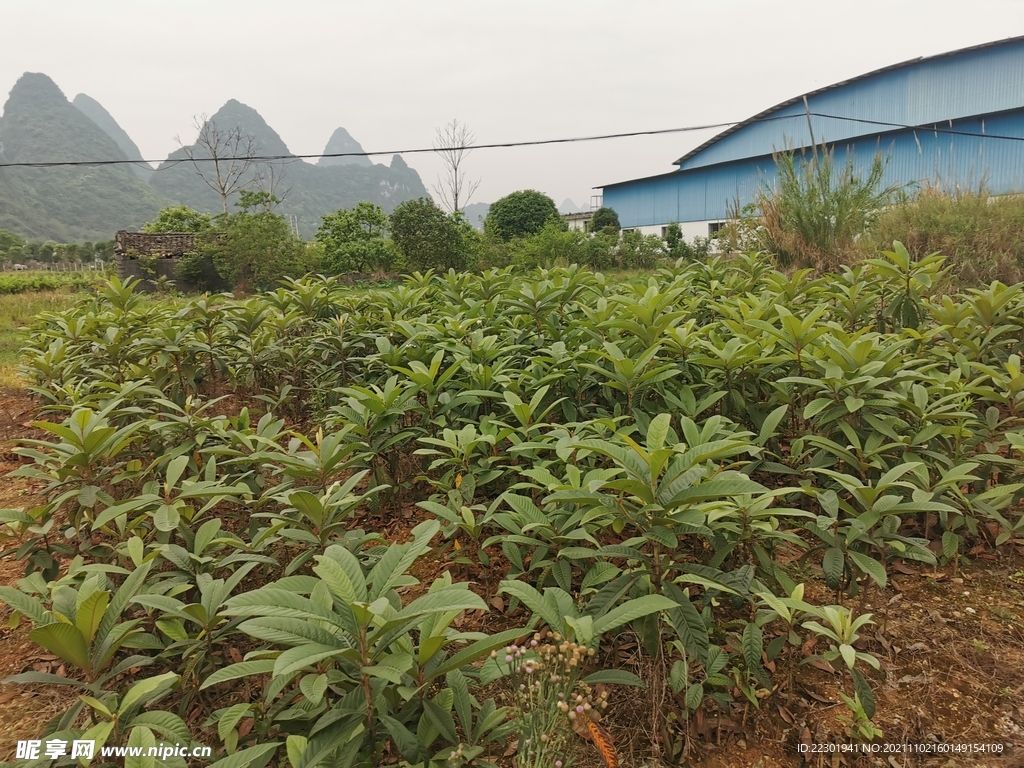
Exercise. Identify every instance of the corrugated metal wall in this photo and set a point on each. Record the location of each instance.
(973, 83)
(914, 158)
(976, 91)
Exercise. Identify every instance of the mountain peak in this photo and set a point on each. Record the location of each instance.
(35, 88)
(92, 109)
(235, 114)
(64, 202)
(341, 141)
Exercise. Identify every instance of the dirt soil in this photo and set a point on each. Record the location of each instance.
(951, 647)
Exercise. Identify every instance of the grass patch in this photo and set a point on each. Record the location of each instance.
(17, 311)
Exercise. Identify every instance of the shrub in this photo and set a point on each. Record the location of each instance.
(427, 237)
(257, 249)
(521, 213)
(638, 251)
(981, 236)
(356, 240)
(678, 248)
(178, 218)
(551, 245)
(605, 218)
(197, 270)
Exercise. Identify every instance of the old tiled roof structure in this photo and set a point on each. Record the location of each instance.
(166, 245)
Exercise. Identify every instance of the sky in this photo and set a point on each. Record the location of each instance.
(393, 71)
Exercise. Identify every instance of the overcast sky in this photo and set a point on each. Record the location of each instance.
(392, 71)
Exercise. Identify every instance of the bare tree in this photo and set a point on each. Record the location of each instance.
(270, 182)
(231, 154)
(453, 143)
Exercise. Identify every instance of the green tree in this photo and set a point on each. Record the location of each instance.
(427, 237)
(356, 240)
(178, 218)
(519, 214)
(673, 237)
(603, 219)
(9, 240)
(255, 248)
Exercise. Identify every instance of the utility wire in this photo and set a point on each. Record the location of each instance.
(933, 128)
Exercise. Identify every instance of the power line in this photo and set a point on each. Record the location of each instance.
(418, 150)
(933, 128)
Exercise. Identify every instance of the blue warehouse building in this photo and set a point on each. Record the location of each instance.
(955, 120)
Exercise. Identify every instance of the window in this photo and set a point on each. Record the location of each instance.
(714, 227)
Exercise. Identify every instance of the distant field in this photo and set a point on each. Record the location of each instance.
(19, 282)
(18, 311)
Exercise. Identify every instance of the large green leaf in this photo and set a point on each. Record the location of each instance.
(870, 566)
(26, 605)
(386, 574)
(90, 614)
(726, 484)
(688, 624)
(442, 601)
(252, 757)
(631, 610)
(302, 656)
(533, 600)
(241, 669)
(345, 582)
(64, 640)
(614, 677)
(167, 724)
(479, 649)
(146, 689)
(834, 565)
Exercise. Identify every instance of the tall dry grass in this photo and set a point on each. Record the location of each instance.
(815, 213)
(981, 235)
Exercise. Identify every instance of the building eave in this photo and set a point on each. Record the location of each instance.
(797, 99)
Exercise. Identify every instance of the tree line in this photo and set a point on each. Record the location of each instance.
(255, 247)
(14, 249)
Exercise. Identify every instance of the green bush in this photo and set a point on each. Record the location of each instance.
(197, 270)
(428, 238)
(257, 250)
(355, 241)
(178, 218)
(639, 251)
(519, 214)
(553, 244)
(605, 218)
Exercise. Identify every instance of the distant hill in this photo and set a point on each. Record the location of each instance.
(476, 213)
(65, 203)
(95, 112)
(312, 190)
(568, 206)
(75, 203)
(341, 141)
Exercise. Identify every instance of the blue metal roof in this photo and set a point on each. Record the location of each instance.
(963, 83)
(955, 120)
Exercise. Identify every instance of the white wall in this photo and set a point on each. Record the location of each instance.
(690, 229)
